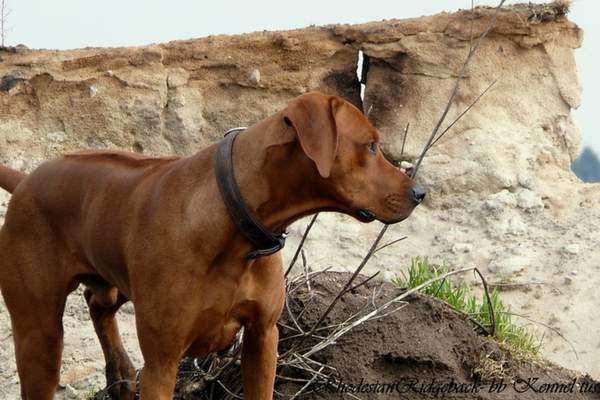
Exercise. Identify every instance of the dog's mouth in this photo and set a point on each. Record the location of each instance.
(364, 215)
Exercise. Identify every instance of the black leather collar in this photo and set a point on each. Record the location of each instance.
(264, 241)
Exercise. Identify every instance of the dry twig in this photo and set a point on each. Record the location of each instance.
(301, 244)
(472, 49)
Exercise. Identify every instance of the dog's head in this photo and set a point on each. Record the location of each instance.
(347, 162)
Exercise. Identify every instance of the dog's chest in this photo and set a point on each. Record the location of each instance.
(216, 339)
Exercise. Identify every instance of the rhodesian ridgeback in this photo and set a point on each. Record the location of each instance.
(157, 232)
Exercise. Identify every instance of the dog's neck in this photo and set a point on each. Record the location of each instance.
(278, 182)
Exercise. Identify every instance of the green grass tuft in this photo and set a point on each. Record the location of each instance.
(459, 296)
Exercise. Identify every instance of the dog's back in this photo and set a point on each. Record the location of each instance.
(77, 197)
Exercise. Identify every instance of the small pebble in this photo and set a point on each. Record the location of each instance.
(71, 393)
(406, 165)
(571, 249)
(462, 248)
(255, 77)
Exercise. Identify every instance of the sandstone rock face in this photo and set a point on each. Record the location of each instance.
(501, 194)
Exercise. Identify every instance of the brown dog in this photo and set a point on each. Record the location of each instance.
(156, 231)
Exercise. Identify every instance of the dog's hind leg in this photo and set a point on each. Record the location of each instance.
(38, 350)
(103, 302)
(36, 315)
(36, 276)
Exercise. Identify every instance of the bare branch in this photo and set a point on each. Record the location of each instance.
(301, 244)
(390, 243)
(461, 74)
(553, 329)
(347, 285)
(462, 113)
(489, 301)
(404, 139)
(332, 338)
(363, 282)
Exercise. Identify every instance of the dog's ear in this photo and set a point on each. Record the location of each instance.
(313, 117)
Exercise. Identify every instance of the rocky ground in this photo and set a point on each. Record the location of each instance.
(501, 194)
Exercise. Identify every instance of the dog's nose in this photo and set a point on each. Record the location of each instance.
(418, 194)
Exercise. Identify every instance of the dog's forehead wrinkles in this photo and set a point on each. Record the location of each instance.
(366, 129)
(371, 136)
(357, 126)
(364, 134)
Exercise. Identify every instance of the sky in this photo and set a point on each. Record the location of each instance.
(68, 24)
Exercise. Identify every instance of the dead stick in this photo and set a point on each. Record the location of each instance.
(472, 50)
(404, 140)
(390, 243)
(489, 301)
(356, 272)
(342, 292)
(363, 282)
(553, 329)
(462, 114)
(301, 244)
(332, 338)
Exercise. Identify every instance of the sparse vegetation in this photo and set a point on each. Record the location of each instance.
(90, 394)
(460, 297)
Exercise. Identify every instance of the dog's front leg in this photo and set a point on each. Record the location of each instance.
(158, 379)
(259, 361)
(162, 349)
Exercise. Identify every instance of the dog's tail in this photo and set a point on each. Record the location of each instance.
(10, 178)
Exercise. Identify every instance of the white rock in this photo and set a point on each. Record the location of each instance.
(462, 248)
(526, 179)
(500, 200)
(18, 164)
(406, 165)
(93, 91)
(58, 137)
(387, 276)
(506, 265)
(516, 226)
(94, 381)
(254, 77)
(71, 393)
(511, 223)
(529, 200)
(571, 249)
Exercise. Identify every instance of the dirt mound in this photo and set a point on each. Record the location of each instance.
(422, 351)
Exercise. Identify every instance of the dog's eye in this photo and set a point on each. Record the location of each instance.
(372, 146)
